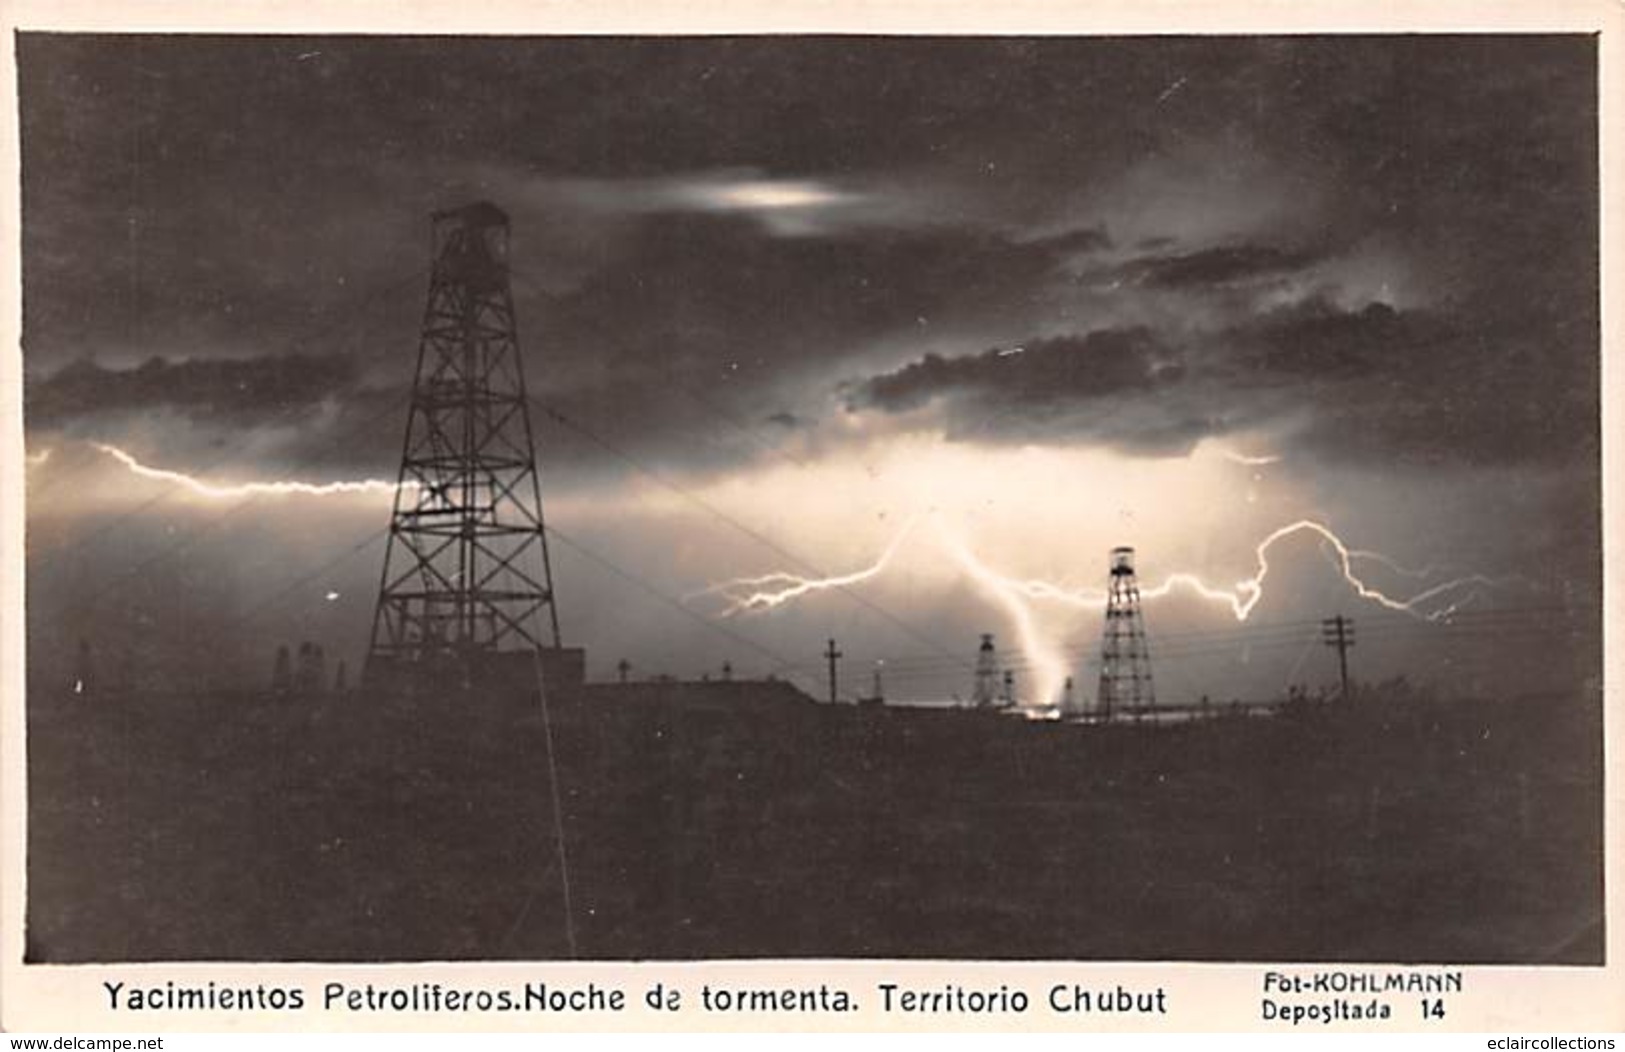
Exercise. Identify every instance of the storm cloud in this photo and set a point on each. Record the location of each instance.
(1058, 369)
(241, 390)
(1370, 384)
(1370, 261)
(765, 218)
(1220, 265)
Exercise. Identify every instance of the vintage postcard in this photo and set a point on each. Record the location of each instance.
(1078, 520)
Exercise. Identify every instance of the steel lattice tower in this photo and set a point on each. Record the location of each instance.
(1125, 661)
(466, 573)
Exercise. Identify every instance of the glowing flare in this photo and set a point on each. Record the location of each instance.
(764, 194)
(245, 489)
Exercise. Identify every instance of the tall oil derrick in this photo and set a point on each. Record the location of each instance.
(466, 576)
(1125, 661)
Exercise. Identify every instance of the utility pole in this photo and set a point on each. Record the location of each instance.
(833, 656)
(1339, 632)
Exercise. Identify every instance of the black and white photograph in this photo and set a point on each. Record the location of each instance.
(812, 497)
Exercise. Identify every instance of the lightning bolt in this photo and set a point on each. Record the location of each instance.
(1246, 459)
(1048, 667)
(750, 594)
(245, 489)
(1404, 571)
(1250, 591)
(1244, 595)
(766, 592)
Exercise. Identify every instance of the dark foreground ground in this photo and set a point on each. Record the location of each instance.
(742, 820)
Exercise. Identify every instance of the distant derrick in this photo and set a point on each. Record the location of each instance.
(310, 676)
(1125, 660)
(301, 674)
(877, 687)
(990, 688)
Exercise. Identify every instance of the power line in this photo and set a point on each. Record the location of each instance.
(1339, 632)
(754, 535)
(184, 542)
(275, 599)
(780, 662)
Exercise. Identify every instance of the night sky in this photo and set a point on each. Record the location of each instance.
(793, 296)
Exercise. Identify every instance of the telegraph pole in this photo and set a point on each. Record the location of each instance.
(1339, 632)
(832, 655)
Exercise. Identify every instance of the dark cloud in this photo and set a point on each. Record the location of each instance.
(1373, 384)
(1317, 340)
(1363, 385)
(1420, 388)
(1436, 427)
(1212, 266)
(711, 299)
(1055, 370)
(246, 391)
(1415, 388)
(956, 188)
(1079, 241)
(1062, 388)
